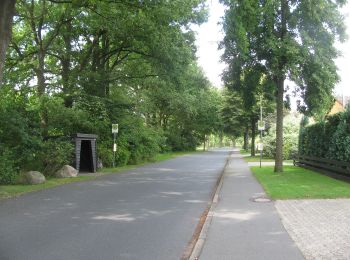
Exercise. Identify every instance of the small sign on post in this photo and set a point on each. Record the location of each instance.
(261, 125)
(114, 132)
(114, 128)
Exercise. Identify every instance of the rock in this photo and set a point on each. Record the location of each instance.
(66, 171)
(34, 177)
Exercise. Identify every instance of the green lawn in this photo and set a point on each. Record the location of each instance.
(171, 155)
(299, 183)
(257, 159)
(8, 191)
(244, 152)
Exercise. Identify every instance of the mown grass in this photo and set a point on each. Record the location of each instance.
(166, 156)
(244, 151)
(9, 191)
(299, 183)
(257, 159)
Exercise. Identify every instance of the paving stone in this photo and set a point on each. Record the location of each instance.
(320, 228)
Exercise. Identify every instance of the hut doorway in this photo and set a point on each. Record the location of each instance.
(85, 153)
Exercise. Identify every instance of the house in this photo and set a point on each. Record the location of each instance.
(339, 104)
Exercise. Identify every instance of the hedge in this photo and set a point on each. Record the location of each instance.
(328, 139)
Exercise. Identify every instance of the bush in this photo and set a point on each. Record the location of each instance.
(8, 171)
(328, 139)
(54, 154)
(144, 144)
(290, 139)
(179, 140)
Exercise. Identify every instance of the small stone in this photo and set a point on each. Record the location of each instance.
(34, 177)
(66, 171)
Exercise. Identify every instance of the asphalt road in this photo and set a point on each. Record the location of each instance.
(147, 213)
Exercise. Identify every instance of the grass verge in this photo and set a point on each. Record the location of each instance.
(8, 191)
(299, 183)
(244, 151)
(257, 159)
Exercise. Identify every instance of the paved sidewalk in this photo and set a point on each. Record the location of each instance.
(321, 228)
(241, 228)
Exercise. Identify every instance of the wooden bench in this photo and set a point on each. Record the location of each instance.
(324, 164)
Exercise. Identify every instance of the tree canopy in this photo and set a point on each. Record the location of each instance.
(291, 40)
(79, 66)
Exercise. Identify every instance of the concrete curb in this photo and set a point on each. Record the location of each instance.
(199, 244)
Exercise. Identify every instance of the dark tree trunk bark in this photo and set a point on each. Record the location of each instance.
(105, 63)
(204, 143)
(65, 62)
(7, 10)
(40, 74)
(221, 137)
(279, 126)
(246, 139)
(280, 90)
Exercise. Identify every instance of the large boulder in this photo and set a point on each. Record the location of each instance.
(66, 171)
(34, 177)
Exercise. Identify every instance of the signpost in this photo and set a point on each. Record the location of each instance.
(261, 128)
(114, 132)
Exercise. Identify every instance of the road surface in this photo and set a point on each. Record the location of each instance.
(147, 213)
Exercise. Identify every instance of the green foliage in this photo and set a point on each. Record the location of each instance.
(8, 171)
(327, 139)
(87, 65)
(290, 138)
(54, 154)
(292, 40)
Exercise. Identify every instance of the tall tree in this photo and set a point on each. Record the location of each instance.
(7, 10)
(292, 40)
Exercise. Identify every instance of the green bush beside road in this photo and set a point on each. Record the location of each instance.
(327, 139)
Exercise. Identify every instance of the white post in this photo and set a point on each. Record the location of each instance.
(114, 132)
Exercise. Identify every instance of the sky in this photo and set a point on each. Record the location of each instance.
(210, 34)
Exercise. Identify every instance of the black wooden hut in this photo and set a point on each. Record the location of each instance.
(85, 152)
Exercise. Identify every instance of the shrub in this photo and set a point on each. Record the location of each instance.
(54, 154)
(290, 138)
(328, 139)
(8, 171)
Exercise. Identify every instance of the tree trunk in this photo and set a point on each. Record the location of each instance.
(7, 10)
(204, 143)
(105, 63)
(280, 90)
(246, 138)
(65, 62)
(252, 148)
(279, 126)
(221, 137)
